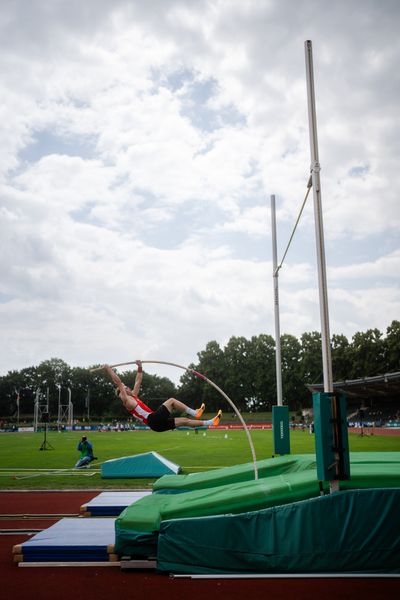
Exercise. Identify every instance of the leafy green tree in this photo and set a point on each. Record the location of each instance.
(193, 390)
(9, 388)
(261, 373)
(26, 382)
(29, 381)
(212, 364)
(367, 354)
(392, 347)
(238, 384)
(95, 389)
(311, 357)
(295, 394)
(341, 365)
(51, 375)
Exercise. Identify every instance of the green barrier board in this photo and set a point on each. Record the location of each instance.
(280, 429)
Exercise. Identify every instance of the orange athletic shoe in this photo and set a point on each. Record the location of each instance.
(200, 411)
(217, 418)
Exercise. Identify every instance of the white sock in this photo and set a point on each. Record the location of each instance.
(209, 422)
(191, 412)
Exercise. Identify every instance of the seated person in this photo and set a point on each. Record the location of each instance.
(86, 450)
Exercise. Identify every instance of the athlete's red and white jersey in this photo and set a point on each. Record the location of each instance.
(141, 411)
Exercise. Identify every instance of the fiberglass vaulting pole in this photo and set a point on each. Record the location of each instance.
(319, 231)
(276, 306)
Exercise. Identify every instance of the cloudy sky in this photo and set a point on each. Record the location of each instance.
(140, 144)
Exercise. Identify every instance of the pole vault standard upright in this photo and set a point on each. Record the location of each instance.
(214, 385)
(319, 228)
(331, 436)
(275, 274)
(280, 413)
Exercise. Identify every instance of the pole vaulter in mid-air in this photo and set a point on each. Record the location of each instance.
(172, 403)
(160, 419)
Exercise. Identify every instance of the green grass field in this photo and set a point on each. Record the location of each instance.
(24, 466)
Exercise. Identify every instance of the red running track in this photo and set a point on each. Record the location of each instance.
(105, 583)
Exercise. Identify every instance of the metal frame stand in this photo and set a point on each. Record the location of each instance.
(45, 444)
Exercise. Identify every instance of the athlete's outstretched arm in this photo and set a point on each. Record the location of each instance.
(138, 379)
(114, 377)
(126, 400)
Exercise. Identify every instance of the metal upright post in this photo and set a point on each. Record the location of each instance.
(275, 275)
(17, 400)
(70, 409)
(88, 405)
(280, 413)
(36, 410)
(329, 411)
(59, 417)
(319, 230)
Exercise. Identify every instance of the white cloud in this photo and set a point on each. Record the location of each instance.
(387, 266)
(365, 308)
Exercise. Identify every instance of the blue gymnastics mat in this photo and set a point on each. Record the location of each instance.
(111, 504)
(70, 540)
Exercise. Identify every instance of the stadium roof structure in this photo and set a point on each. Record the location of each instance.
(380, 386)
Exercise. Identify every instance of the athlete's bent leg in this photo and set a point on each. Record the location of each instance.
(175, 405)
(184, 422)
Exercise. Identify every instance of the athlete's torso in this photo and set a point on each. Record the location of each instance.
(141, 411)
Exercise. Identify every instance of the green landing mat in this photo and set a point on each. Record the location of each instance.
(266, 468)
(138, 525)
(345, 532)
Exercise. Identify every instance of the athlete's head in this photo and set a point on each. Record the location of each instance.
(118, 391)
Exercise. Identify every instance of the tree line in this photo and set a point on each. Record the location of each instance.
(245, 369)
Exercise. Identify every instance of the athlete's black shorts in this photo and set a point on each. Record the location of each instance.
(160, 419)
